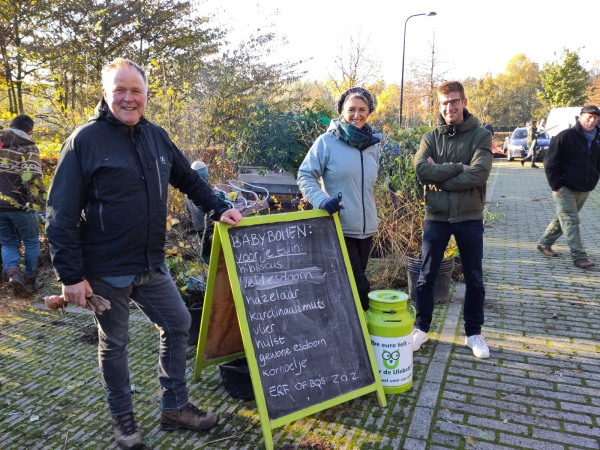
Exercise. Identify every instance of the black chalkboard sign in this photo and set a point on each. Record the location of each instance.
(301, 313)
(301, 323)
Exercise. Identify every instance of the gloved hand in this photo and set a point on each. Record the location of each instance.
(331, 205)
(94, 303)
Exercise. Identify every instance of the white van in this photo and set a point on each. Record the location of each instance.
(560, 119)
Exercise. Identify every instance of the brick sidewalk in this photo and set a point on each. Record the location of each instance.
(540, 389)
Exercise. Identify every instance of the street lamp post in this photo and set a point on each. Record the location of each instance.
(403, 49)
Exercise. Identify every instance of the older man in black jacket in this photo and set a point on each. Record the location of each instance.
(106, 223)
(573, 169)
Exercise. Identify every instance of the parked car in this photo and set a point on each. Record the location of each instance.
(515, 144)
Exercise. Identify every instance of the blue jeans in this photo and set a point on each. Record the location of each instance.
(26, 224)
(469, 238)
(158, 298)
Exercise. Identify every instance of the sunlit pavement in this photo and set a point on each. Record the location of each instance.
(540, 389)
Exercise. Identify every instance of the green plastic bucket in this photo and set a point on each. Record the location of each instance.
(390, 322)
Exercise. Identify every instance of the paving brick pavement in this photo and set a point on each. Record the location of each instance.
(540, 389)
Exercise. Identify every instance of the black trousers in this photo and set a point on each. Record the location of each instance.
(358, 252)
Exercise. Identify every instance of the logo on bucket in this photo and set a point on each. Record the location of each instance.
(394, 358)
(390, 359)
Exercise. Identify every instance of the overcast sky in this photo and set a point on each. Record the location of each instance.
(473, 37)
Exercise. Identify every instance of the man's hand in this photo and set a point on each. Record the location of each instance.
(94, 303)
(231, 217)
(559, 191)
(76, 293)
(430, 160)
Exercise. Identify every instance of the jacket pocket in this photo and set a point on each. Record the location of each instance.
(437, 201)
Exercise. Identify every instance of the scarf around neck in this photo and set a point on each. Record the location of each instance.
(358, 138)
(589, 136)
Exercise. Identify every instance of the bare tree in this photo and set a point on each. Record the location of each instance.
(355, 65)
(428, 73)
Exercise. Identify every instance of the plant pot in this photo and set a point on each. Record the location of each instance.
(441, 287)
(196, 314)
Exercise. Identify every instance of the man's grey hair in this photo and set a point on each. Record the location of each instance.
(123, 62)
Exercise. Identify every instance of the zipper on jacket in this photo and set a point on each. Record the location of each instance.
(99, 203)
(362, 171)
(159, 182)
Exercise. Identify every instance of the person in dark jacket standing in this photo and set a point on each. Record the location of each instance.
(454, 163)
(21, 188)
(572, 167)
(532, 137)
(106, 224)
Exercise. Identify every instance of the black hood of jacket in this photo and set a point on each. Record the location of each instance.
(469, 122)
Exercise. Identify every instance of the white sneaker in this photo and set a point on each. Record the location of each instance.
(478, 345)
(419, 338)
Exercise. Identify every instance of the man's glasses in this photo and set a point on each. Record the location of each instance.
(454, 103)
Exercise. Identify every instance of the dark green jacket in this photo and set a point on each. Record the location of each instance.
(532, 134)
(453, 194)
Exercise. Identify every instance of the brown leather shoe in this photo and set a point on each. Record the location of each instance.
(187, 417)
(547, 251)
(127, 433)
(16, 283)
(584, 263)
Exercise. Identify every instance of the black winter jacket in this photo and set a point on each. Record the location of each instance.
(107, 205)
(571, 162)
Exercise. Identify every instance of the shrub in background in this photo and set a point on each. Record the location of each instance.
(398, 194)
(274, 139)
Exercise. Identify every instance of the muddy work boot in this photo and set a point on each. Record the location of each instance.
(31, 283)
(187, 417)
(547, 251)
(127, 433)
(584, 263)
(16, 283)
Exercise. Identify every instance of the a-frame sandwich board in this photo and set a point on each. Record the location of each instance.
(280, 290)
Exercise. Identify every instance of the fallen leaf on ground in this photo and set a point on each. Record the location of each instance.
(471, 441)
(486, 436)
(316, 443)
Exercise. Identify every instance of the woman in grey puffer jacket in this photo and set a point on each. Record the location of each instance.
(346, 159)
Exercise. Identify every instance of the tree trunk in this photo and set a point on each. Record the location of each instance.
(12, 104)
(73, 92)
(19, 84)
(12, 107)
(65, 104)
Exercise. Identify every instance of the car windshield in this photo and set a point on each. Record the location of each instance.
(520, 134)
(544, 136)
